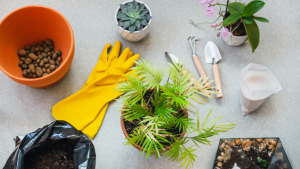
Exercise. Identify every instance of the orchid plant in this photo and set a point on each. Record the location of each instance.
(238, 14)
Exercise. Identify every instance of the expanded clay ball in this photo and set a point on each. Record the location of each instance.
(59, 59)
(24, 73)
(27, 61)
(42, 63)
(54, 56)
(27, 47)
(20, 63)
(24, 66)
(58, 52)
(46, 60)
(47, 65)
(39, 72)
(39, 59)
(52, 62)
(48, 42)
(32, 56)
(47, 49)
(22, 52)
(41, 43)
(52, 67)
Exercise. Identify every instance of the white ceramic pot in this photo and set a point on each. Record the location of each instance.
(136, 35)
(235, 40)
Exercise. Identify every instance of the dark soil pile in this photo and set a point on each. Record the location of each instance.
(53, 156)
(130, 126)
(240, 31)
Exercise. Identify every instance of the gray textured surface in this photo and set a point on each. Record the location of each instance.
(24, 109)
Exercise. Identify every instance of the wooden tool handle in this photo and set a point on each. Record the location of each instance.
(200, 68)
(194, 80)
(217, 81)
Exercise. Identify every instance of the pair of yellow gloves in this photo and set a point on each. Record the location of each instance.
(86, 108)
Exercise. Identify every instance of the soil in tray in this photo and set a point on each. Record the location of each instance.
(129, 126)
(245, 154)
(240, 31)
(58, 155)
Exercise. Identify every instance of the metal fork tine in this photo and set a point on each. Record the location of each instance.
(191, 41)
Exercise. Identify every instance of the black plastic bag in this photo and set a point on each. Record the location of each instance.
(84, 152)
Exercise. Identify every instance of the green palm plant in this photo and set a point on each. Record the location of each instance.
(159, 112)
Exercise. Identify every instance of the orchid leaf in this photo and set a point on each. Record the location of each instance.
(236, 7)
(260, 19)
(248, 20)
(232, 19)
(253, 7)
(253, 34)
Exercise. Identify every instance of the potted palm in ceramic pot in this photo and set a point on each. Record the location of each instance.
(133, 19)
(239, 21)
(156, 115)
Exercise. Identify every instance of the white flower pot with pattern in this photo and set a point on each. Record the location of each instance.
(136, 35)
(235, 40)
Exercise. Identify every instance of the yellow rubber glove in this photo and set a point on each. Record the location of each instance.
(86, 108)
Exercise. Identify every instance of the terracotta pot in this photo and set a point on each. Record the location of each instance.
(139, 147)
(31, 24)
(136, 35)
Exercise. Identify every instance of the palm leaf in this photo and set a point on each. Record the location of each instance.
(150, 76)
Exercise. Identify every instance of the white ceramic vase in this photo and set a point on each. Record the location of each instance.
(136, 35)
(235, 40)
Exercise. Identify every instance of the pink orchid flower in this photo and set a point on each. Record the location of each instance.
(203, 2)
(210, 11)
(225, 32)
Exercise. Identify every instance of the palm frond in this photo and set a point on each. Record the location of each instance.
(175, 95)
(175, 151)
(135, 111)
(187, 157)
(162, 110)
(133, 89)
(185, 124)
(178, 75)
(151, 77)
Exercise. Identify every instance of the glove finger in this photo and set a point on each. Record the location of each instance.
(104, 54)
(130, 54)
(130, 62)
(115, 51)
(100, 66)
(123, 57)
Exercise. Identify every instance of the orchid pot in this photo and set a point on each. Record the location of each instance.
(133, 19)
(235, 40)
(239, 22)
(232, 39)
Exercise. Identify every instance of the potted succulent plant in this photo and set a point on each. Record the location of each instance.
(238, 24)
(133, 19)
(156, 116)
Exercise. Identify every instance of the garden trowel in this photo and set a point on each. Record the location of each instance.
(212, 55)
